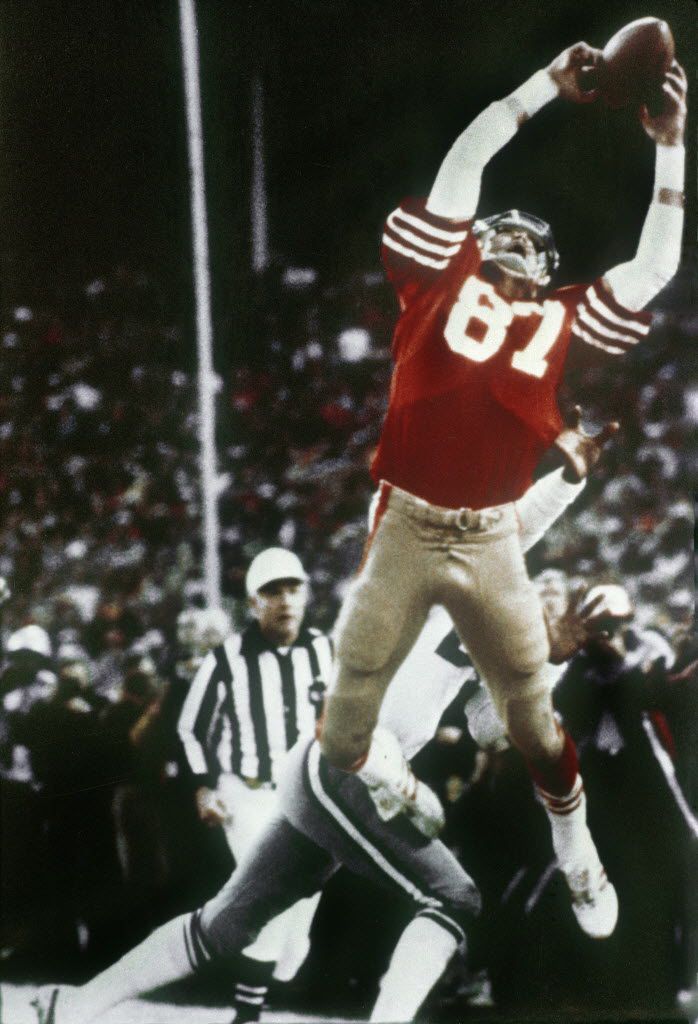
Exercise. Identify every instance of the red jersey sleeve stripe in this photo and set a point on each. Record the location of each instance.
(413, 254)
(417, 244)
(412, 230)
(605, 324)
(415, 238)
(414, 213)
(606, 296)
(600, 298)
(589, 339)
(596, 326)
(598, 313)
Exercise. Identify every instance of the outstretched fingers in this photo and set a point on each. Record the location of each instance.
(667, 124)
(572, 71)
(609, 431)
(674, 92)
(575, 418)
(582, 55)
(586, 59)
(678, 71)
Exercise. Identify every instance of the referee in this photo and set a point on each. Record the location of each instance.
(250, 700)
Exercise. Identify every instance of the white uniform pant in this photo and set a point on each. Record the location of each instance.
(285, 939)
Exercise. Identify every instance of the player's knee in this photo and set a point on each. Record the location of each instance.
(462, 901)
(458, 911)
(526, 662)
(357, 653)
(468, 903)
(204, 943)
(367, 630)
(225, 925)
(527, 648)
(532, 727)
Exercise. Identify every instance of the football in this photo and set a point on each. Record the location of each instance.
(634, 62)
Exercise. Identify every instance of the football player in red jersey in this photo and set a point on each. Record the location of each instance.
(479, 351)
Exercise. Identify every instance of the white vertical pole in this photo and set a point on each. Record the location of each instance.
(258, 192)
(202, 292)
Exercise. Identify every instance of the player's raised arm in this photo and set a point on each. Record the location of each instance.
(456, 190)
(635, 283)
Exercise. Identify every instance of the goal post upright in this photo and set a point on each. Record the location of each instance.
(259, 208)
(202, 294)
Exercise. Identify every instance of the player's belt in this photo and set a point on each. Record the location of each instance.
(466, 519)
(470, 519)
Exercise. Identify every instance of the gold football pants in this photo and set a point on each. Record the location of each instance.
(419, 555)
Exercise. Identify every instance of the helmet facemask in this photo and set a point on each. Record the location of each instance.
(520, 245)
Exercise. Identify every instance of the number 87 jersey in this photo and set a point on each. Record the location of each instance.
(473, 399)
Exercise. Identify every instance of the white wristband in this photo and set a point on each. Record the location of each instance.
(538, 90)
(669, 167)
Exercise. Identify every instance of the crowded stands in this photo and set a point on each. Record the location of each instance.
(102, 615)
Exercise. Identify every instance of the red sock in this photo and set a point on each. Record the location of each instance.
(556, 777)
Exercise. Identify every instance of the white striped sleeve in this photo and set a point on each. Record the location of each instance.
(604, 324)
(418, 244)
(199, 707)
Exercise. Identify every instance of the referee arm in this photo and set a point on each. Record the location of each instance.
(198, 712)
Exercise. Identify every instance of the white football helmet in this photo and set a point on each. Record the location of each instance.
(520, 244)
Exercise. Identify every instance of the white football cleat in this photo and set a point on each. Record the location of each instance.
(394, 788)
(594, 899)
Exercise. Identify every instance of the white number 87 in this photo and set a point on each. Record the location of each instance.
(479, 300)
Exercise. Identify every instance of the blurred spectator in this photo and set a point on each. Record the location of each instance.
(137, 749)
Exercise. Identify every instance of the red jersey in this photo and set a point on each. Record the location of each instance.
(473, 398)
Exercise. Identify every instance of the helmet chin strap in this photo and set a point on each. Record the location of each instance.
(501, 271)
(513, 263)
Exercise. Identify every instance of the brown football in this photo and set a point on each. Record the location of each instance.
(633, 63)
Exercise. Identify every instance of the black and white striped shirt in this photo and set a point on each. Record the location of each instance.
(250, 701)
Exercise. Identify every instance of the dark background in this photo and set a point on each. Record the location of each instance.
(361, 102)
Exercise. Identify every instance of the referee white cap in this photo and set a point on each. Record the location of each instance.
(273, 564)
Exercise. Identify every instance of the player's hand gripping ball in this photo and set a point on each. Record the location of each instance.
(633, 64)
(665, 122)
(574, 73)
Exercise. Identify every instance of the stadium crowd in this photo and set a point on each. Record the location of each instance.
(102, 624)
